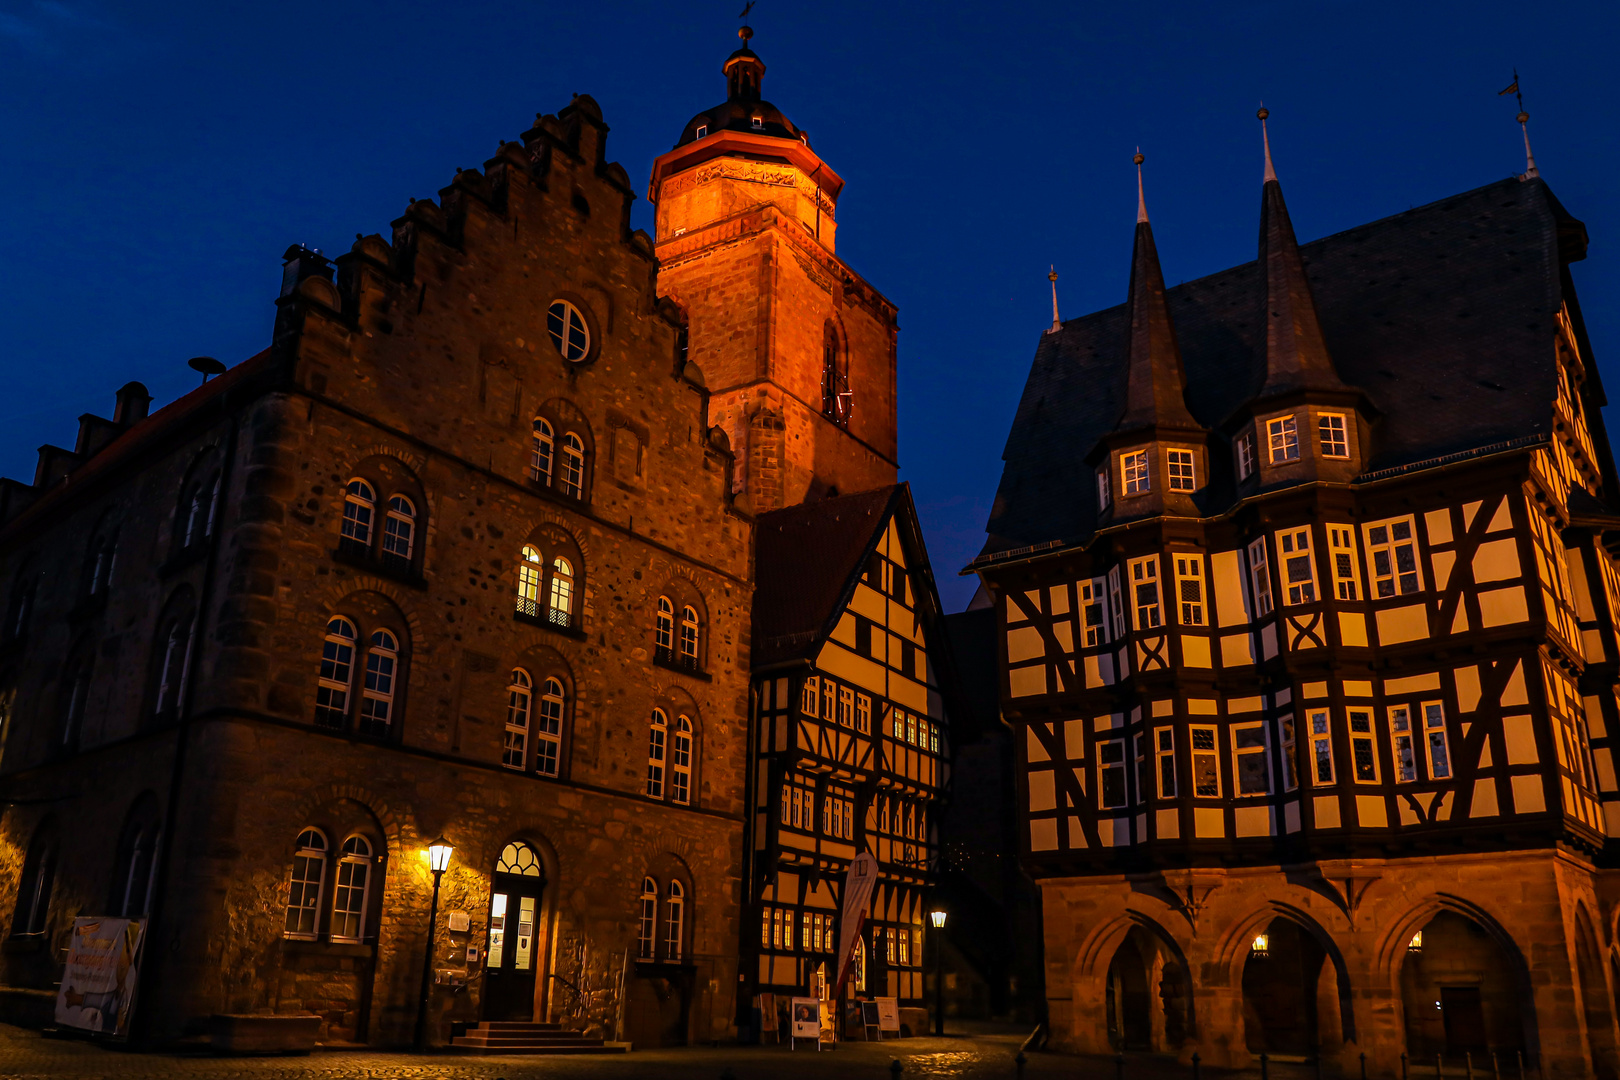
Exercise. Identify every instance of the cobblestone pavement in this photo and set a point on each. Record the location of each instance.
(27, 1055)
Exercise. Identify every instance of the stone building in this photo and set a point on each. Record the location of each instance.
(1306, 592)
(466, 551)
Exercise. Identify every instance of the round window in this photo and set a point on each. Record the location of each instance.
(568, 330)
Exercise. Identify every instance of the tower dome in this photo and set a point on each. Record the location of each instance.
(743, 109)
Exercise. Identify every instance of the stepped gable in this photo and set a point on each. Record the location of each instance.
(1443, 315)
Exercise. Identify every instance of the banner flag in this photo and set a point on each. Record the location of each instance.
(858, 886)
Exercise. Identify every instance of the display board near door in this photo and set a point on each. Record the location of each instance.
(513, 955)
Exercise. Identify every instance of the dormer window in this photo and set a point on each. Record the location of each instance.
(1283, 436)
(1104, 496)
(1181, 470)
(1133, 467)
(1335, 440)
(703, 130)
(758, 123)
(1245, 455)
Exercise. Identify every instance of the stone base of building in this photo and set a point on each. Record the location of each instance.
(1498, 954)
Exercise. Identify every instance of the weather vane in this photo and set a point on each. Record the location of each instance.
(746, 9)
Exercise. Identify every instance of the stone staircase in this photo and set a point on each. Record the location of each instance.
(517, 1037)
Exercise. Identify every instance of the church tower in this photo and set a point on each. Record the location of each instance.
(798, 352)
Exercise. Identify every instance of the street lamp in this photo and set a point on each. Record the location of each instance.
(438, 861)
(938, 918)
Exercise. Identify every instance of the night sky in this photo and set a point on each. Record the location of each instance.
(158, 158)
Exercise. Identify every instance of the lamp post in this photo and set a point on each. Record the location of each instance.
(438, 861)
(938, 918)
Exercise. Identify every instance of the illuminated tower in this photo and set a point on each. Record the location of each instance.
(797, 350)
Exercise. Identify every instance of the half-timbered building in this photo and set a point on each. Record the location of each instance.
(850, 742)
(1307, 632)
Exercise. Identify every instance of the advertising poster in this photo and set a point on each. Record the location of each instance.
(806, 1018)
(98, 985)
(888, 1014)
(829, 1029)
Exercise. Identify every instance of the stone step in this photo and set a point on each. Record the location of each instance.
(594, 1046)
(515, 1025)
(537, 1038)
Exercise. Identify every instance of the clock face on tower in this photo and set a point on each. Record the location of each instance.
(568, 331)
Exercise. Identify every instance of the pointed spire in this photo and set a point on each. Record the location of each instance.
(1155, 389)
(1265, 137)
(1530, 172)
(1057, 323)
(1141, 199)
(1296, 353)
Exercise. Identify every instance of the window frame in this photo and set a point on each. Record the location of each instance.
(318, 856)
(1342, 559)
(328, 687)
(571, 321)
(657, 754)
(1164, 757)
(1290, 766)
(1319, 732)
(1380, 539)
(1181, 470)
(1112, 771)
(553, 711)
(560, 593)
(542, 451)
(359, 523)
(680, 760)
(519, 717)
(1435, 726)
(1399, 719)
(1144, 572)
(1282, 439)
(1296, 547)
(1259, 559)
(647, 923)
(1135, 477)
(674, 922)
(1239, 753)
(664, 627)
(1362, 740)
(357, 863)
(384, 656)
(1205, 754)
(571, 477)
(1189, 568)
(1244, 447)
(1091, 592)
(1328, 425)
(1105, 497)
(399, 523)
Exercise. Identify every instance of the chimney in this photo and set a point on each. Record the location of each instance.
(299, 263)
(133, 403)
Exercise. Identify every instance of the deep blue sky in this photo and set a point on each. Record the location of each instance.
(158, 158)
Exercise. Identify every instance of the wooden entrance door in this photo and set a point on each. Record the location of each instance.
(514, 954)
(1464, 1019)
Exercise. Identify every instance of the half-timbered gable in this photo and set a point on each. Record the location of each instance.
(1381, 634)
(851, 736)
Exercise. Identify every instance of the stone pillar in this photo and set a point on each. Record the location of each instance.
(1219, 1040)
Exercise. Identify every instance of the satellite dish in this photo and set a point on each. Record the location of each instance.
(207, 365)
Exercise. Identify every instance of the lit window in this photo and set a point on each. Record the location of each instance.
(337, 673)
(349, 897)
(657, 742)
(308, 876)
(548, 730)
(1245, 455)
(1321, 746)
(1133, 467)
(1111, 773)
(1166, 753)
(1299, 569)
(1251, 765)
(758, 123)
(1342, 551)
(674, 909)
(1145, 592)
(1261, 946)
(664, 632)
(560, 603)
(1104, 496)
(1206, 763)
(647, 930)
(359, 507)
(1116, 602)
(568, 331)
(1290, 767)
(701, 132)
(399, 530)
(1416, 944)
(1363, 751)
(541, 454)
(1392, 558)
(680, 761)
(1282, 435)
(1190, 589)
(377, 702)
(1335, 441)
(1260, 578)
(1181, 470)
(519, 698)
(1434, 724)
(689, 636)
(1095, 629)
(572, 480)
(528, 583)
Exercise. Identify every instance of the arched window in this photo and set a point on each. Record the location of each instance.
(566, 325)
(175, 659)
(530, 568)
(353, 883)
(548, 730)
(308, 880)
(520, 860)
(103, 554)
(858, 966)
(359, 508)
(399, 532)
(196, 514)
(544, 447)
(337, 673)
(518, 700)
(647, 930)
(680, 761)
(137, 861)
(657, 738)
(835, 396)
(664, 634)
(76, 699)
(34, 888)
(571, 482)
(21, 606)
(689, 637)
(674, 916)
(560, 604)
(377, 702)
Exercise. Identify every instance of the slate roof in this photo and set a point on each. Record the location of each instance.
(1442, 315)
(806, 560)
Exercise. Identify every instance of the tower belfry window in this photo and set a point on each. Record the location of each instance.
(836, 400)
